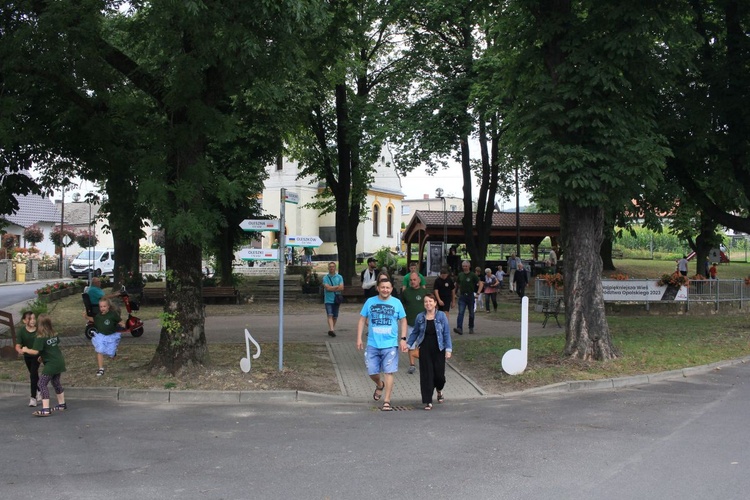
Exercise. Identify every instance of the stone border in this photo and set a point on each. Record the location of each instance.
(291, 396)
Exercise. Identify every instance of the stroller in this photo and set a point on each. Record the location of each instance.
(133, 325)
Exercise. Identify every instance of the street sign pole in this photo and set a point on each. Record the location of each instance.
(282, 261)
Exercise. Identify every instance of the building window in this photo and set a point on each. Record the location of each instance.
(389, 222)
(375, 220)
(279, 163)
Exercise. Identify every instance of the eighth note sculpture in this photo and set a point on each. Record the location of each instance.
(515, 360)
(245, 362)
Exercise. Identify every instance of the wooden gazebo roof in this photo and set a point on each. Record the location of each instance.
(428, 225)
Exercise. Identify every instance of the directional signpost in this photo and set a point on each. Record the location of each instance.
(303, 241)
(256, 225)
(259, 254)
(291, 197)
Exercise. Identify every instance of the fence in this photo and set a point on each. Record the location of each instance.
(732, 293)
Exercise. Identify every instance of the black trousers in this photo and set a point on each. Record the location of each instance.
(431, 368)
(32, 363)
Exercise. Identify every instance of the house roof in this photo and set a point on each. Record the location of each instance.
(77, 213)
(33, 208)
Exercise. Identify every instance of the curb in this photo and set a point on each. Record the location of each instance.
(245, 397)
(625, 382)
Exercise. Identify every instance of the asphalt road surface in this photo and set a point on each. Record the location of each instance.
(685, 439)
(12, 294)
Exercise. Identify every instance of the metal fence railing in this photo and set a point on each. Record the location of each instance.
(716, 292)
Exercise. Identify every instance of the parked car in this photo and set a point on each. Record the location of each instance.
(98, 260)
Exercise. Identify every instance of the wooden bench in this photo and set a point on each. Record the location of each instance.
(552, 308)
(221, 292)
(158, 294)
(8, 351)
(353, 294)
(212, 292)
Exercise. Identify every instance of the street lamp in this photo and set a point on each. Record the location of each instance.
(439, 193)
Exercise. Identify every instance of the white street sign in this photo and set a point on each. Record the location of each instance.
(260, 225)
(259, 254)
(291, 197)
(303, 241)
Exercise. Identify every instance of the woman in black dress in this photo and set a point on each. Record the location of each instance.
(432, 335)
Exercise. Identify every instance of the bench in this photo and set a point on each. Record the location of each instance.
(210, 292)
(353, 294)
(617, 254)
(8, 351)
(221, 292)
(153, 294)
(552, 308)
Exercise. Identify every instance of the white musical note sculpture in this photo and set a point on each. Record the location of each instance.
(245, 362)
(514, 361)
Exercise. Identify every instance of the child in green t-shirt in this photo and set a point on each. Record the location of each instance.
(25, 338)
(106, 338)
(47, 345)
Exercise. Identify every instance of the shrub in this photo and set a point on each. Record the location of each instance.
(36, 306)
(57, 235)
(86, 238)
(33, 234)
(9, 241)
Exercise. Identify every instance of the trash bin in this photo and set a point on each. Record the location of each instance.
(21, 273)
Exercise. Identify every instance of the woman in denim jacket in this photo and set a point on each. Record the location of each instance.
(432, 335)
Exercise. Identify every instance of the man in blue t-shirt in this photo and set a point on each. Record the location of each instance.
(333, 284)
(386, 318)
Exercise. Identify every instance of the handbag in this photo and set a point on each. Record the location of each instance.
(338, 299)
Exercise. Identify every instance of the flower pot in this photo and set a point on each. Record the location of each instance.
(55, 295)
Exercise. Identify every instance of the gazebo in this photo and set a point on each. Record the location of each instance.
(435, 225)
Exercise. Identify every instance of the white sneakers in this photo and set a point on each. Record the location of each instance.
(32, 402)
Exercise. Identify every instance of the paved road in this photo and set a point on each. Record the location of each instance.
(13, 294)
(684, 439)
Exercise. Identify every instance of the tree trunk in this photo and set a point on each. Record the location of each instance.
(225, 255)
(182, 342)
(606, 253)
(587, 334)
(125, 224)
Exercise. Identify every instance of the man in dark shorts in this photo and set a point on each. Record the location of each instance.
(445, 291)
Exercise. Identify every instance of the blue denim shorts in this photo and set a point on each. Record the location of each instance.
(332, 310)
(381, 360)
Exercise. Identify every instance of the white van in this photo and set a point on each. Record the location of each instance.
(99, 260)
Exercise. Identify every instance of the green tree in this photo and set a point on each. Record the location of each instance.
(453, 103)
(707, 121)
(584, 80)
(185, 65)
(355, 69)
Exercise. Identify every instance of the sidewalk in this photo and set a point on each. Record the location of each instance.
(347, 360)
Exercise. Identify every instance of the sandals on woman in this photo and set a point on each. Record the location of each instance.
(440, 397)
(428, 406)
(386, 406)
(60, 407)
(44, 412)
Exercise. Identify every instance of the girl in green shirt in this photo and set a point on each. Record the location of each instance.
(47, 345)
(25, 338)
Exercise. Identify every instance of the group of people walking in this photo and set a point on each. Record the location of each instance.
(39, 344)
(418, 322)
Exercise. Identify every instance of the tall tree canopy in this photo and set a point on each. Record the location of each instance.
(355, 71)
(584, 78)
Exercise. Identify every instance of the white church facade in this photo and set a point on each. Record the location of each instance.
(381, 227)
